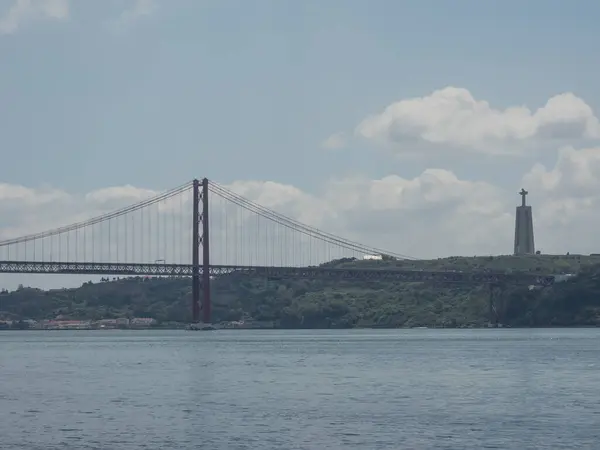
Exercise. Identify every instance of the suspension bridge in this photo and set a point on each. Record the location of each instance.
(204, 230)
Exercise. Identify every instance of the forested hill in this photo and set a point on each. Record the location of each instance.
(329, 303)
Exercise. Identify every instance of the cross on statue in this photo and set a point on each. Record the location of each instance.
(523, 194)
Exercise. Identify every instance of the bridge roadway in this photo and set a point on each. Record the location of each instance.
(185, 270)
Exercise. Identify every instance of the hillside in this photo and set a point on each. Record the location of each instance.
(327, 303)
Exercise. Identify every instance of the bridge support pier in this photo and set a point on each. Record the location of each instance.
(496, 305)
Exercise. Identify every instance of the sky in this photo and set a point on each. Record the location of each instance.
(407, 125)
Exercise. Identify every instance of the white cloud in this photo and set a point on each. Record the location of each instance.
(430, 215)
(25, 10)
(570, 193)
(138, 9)
(335, 141)
(24, 196)
(577, 172)
(118, 195)
(453, 118)
(433, 214)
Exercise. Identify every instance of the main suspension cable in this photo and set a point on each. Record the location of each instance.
(120, 212)
(296, 225)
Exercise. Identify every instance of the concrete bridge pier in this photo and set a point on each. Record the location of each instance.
(496, 305)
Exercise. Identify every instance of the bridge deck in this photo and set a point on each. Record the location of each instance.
(185, 270)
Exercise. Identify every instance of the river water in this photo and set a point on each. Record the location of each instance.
(355, 389)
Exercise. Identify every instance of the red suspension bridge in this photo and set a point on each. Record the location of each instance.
(182, 233)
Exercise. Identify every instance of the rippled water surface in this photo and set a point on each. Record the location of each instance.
(358, 389)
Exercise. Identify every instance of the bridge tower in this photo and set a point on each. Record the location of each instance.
(200, 196)
(524, 243)
(206, 303)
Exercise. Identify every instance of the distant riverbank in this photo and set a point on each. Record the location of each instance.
(254, 302)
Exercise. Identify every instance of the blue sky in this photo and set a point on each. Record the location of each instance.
(152, 93)
(248, 89)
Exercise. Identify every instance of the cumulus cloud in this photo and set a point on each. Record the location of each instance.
(22, 11)
(433, 214)
(25, 210)
(10, 193)
(335, 141)
(429, 215)
(576, 173)
(570, 195)
(453, 118)
(137, 10)
(116, 196)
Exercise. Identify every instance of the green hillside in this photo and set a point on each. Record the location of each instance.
(329, 303)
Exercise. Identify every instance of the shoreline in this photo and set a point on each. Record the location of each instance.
(549, 327)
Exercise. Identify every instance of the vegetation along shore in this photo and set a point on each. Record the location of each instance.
(244, 301)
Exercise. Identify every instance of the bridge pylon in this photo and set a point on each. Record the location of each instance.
(200, 216)
(196, 251)
(205, 241)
